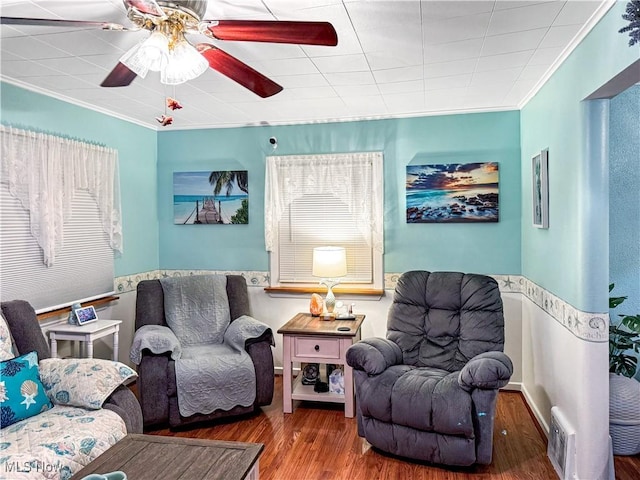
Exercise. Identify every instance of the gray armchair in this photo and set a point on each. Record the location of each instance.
(428, 391)
(157, 380)
(27, 337)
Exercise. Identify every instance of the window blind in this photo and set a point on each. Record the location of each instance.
(83, 269)
(324, 200)
(318, 220)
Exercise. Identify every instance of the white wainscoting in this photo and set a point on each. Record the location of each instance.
(560, 353)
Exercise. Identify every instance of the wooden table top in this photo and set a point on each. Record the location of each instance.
(153, 457)
(306, 324)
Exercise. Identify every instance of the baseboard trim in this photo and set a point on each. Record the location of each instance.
(280, 371)
(537, 415)
(513, 387)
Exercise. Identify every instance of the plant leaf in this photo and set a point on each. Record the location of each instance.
(624, 344)
(632, 322)
(624, 338)
(629, 365)
(615, 301)
(624, 365)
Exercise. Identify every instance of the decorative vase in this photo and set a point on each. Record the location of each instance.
(316, 305)
(72, 319)
(330, 298)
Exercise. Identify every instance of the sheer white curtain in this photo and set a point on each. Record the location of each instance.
(352, 177)
(43, 171)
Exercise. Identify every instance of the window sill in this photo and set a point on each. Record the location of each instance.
(341, 290)
(66, 310)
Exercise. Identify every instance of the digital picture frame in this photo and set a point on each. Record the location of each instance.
(86, 315)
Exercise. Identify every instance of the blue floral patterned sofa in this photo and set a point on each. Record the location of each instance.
(57, 415)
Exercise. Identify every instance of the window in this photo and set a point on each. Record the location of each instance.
(59, 219)
(321, 200)
(83, 268)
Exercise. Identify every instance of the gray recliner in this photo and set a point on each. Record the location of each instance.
(428, 391)
(157, 384)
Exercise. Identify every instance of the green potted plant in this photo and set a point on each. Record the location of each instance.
(624, 390)
(624, 337)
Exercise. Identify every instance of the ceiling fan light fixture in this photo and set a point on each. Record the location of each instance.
(184, 63)
(166, 50)
(156, 50)
(150, 54)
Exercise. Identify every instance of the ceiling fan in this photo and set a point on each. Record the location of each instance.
(166, 49)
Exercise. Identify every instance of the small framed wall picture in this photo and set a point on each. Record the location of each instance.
(86, 315)
(540, 189)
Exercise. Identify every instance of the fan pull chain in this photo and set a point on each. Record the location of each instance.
(171, 103)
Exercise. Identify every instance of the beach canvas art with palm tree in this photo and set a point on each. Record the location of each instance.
(454, 192)
(217, 197)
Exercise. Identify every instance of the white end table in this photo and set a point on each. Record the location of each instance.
(85, 333)
(309, 339)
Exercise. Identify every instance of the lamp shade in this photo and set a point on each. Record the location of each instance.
(185, 63)
(329, 262)
(150, 54)
(177, 64)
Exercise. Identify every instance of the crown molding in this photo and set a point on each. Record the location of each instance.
(174, 127)
(600, 12)
(64, 98)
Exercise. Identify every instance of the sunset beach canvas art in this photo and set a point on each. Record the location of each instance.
(216, 197)
(454, 192)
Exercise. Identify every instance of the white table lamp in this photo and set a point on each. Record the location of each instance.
(329, 263)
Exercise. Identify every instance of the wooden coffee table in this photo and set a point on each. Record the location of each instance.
(151, 457)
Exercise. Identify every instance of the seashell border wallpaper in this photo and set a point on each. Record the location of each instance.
(592, 327)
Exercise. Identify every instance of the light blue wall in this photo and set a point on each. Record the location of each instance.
(483, 248)
(137, 151)
(624, 200)
(570, 258)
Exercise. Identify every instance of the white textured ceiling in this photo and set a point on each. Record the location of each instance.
(394, 58)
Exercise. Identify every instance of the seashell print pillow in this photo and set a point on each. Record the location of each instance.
(22, 395)
(82, 382)
(6, 345)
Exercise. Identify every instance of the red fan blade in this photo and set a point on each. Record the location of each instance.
(149, 7)
(306, 33)
(53, 22)
(120, 76)
(238, 71)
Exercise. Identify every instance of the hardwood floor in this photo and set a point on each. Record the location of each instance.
(627, 468)
(316, 442)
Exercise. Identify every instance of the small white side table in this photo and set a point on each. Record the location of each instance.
(85, 333)
(308, 339)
